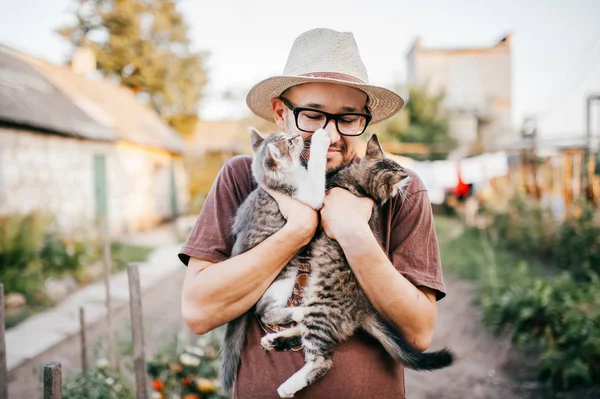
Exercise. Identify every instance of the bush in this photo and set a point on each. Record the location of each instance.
(560, 317)
(578, 244)
(526, 227)
(556, 316)
(100, 384)
(31, 250)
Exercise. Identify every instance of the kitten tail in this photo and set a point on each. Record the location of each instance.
(231, 351)
(396, 345)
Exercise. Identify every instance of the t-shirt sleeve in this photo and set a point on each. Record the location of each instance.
(414, 247)
(211, 238)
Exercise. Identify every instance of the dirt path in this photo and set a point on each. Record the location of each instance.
(162, 320)
(481, 370)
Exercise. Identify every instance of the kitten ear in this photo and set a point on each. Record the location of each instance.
(273, 155)
(255, 138)
(374, 150)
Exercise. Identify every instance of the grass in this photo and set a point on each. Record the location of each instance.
(124, 253)
(121, 254)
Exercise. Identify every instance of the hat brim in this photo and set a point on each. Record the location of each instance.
(383, 103)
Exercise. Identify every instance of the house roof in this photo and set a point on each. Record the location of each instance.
(47, 97)
(28, 99)
(114, 106)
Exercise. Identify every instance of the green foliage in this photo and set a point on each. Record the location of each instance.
(100, 384)
(421, 121)
(527, 227)
(31, 250)
(558, 317)
(578, 245)
(144, 44)
(123, 253)
(530, 229)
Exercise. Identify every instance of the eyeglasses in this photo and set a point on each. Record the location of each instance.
(310, 120)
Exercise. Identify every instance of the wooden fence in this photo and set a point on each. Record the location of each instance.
(53, 370)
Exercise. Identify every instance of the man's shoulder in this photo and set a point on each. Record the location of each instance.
(415, 185)
(237, 175)
(241, 164)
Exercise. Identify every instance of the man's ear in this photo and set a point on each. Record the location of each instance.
(279, 109)
(374, 150)
(255, 138)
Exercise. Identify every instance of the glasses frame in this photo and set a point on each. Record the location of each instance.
(328, 117)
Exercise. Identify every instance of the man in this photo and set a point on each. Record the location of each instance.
(324, 78)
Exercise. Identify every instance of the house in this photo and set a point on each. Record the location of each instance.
(84, 149)
(476, 83)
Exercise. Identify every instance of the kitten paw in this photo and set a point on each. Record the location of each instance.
(284, 393)
(320, 139)
(267, 342)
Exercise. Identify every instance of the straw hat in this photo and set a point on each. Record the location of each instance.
(324, 55)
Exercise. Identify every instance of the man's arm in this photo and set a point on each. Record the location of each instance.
(412, 310)
(215, 293)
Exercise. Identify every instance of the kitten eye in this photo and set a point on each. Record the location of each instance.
(290, 143)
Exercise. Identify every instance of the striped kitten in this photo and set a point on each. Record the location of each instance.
(276, 165)
(334, 306)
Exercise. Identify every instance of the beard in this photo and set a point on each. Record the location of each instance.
(333, 165)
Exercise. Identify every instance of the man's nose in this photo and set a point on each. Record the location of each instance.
(332, 131)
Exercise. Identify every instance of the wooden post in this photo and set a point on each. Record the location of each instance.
(84, 363)
(568, 179)
(137, 330)
(3, 371)
(109, 324)
(53, 380)
(577, 165)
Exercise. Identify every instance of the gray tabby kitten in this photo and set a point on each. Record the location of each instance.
(276, 165)
(334, 306)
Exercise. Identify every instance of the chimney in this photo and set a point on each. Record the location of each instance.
(84, 61)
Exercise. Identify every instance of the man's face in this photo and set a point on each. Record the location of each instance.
(328, 97)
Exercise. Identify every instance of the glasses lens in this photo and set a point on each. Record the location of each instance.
(351, 125)
(311, 121)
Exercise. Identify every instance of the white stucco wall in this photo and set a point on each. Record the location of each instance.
(54, 173)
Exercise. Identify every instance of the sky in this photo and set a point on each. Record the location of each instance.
(556, 44)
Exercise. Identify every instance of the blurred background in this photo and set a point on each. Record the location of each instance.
(117, 115)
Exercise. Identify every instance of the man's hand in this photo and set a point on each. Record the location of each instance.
(344, 213)
(301, 218)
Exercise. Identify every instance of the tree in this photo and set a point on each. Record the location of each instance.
(144, 44)
(421, 121)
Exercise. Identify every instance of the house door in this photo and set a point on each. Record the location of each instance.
(100, 188)
(174, 206)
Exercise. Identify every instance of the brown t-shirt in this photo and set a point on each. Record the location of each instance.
(361, 368)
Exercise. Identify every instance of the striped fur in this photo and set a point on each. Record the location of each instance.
(334, 306)
(276, 165)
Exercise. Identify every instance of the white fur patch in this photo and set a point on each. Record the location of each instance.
(280, 291)
(400, 186)
(295, 382)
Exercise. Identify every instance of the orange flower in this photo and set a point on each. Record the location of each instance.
(191, 396)
(205, 385)
(185, 381)
(158, 385)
